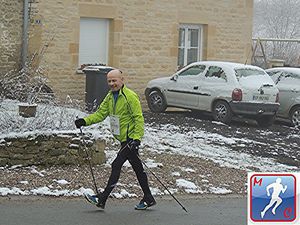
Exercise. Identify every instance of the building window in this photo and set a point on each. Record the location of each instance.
(189, 44)
(93, 41)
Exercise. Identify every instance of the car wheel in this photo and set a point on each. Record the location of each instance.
(222, 112)
(295, 116)
(265, 121)
(156, 101)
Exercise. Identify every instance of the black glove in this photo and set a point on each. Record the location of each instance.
(80, 122)
(134, 145)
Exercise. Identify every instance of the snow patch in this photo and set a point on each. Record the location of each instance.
(219, 190)
(62, 182)
(175, 174)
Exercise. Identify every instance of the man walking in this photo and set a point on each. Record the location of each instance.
(123, 107)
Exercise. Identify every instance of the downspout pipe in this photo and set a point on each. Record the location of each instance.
(25, 33)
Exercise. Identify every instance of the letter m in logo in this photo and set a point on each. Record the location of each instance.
(257, 181)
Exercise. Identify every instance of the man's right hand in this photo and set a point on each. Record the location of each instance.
(134, 145)
(80, 122)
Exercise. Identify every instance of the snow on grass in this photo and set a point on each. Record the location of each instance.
(182, 183)
(151, 164)
(175, 174)
(15, 167)
(171, 190)
(24, 182)
(188, 186)
(219, 190)
(123, 194)
(219, 123)
(44, 191)
(12, 191)
(35, 171)
(168, 138)
(61, 182)
(293, 136)
(47, 191)
(156, 191)
(189, 170)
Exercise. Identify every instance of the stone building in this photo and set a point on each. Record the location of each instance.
(11, 14)
(144, 38)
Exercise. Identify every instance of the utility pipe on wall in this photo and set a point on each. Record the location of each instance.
(25, 33)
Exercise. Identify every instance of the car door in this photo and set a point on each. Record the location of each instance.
(289, 90)
(214, 84)
(183, 91)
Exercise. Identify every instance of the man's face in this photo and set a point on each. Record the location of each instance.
(115, 80)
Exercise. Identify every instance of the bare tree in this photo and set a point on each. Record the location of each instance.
(278, 19)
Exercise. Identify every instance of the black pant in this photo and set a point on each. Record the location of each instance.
(124, 154)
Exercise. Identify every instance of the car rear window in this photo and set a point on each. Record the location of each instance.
(247, 72)
(216, 72)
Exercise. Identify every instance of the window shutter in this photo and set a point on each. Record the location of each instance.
(93, 41)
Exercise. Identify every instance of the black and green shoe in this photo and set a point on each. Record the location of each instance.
(144, 205)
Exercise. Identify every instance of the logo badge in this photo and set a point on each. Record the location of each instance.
(272, 198)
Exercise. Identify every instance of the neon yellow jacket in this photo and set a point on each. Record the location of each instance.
(129, 110)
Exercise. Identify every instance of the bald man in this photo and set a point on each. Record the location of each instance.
(123, 107)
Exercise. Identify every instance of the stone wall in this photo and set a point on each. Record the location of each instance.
(143, 36)
(11, 23)
(50, 150)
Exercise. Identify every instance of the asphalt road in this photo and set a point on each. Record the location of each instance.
(225, 210)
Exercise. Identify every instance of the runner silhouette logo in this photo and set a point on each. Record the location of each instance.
(273, 197)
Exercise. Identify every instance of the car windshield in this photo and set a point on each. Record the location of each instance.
(247, 72)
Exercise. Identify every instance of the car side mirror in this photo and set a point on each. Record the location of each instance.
(174, 78)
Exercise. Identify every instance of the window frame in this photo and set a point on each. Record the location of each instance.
(185, 48)
(107, 35)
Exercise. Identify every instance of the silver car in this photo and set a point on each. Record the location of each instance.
(225, 89)
(287, 80)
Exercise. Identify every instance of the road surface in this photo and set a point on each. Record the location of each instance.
(209, 210)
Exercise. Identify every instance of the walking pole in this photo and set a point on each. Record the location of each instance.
(161, 183)
(164, 186)
(89, 160)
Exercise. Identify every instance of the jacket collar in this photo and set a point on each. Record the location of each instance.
(121, 90)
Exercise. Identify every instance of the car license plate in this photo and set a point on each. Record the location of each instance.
(261, 97)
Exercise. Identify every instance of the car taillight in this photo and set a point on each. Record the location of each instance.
(237, 94)
(277, 97)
